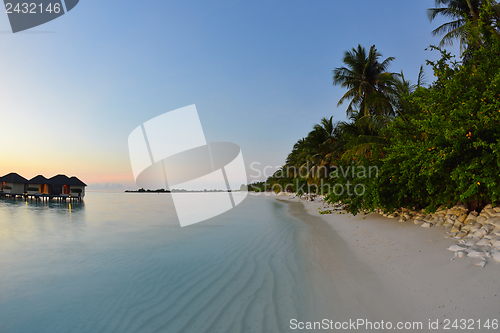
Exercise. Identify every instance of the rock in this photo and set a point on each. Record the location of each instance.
(480, 233)
(471, 217)
(462, 233)
(481, 219)
(489, 211)
(418, 221)
(451, 220)
(488, 228)
(472, 242)
(483, 242)
(496, 256)
(473, 229)
(456, 248)
(481, 264)
(439, 222)
(476, 254)
(426, 225)
(467, 227)
(495, 222)
(461, 218)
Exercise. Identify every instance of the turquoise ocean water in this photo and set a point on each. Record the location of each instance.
(119, 262)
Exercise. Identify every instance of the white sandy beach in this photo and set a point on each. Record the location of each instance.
(384, 270)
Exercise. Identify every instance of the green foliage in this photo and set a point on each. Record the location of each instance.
(438, 145)
(355, 185)
(450, 151)
(465, 15)
(367, 81)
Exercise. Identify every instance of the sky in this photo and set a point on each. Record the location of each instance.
(259, 73)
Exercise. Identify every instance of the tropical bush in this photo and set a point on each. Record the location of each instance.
(407, 145)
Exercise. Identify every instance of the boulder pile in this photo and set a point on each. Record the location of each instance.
(477, 234)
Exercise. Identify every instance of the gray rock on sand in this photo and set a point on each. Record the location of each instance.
(480, 233)
(488, 227)
(456, 248)
(472, 242)
(471, 217)
(467, 227)
(402, 219)
(481, 219)
(461, 218)
(439, 222)
(489, 211)
(481, 264)
(483, 242)
(477, 254)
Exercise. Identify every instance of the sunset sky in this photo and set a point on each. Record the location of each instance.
(260, 74)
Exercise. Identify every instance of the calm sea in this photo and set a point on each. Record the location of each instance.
(121, 263)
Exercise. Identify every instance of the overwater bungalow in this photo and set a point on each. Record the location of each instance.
(38, 185)
(13, 183)
(63, 185)
(76, 187)
(57, 187)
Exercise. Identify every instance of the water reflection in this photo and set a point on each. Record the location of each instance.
(23, 222)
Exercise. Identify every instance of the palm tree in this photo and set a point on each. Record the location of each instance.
(361, 136)
(367, 81)
(403, 88)
(315, 154)
(461, 12)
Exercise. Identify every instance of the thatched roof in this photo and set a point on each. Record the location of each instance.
(65, 180)
(76, 182)
(13, 178)
(56, 180)
(59, 180)
(38, 180)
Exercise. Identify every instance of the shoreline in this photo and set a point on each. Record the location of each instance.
(384, 270)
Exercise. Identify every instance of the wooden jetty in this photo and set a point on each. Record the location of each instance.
(41, 197)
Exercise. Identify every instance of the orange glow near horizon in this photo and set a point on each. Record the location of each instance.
(87, 172)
